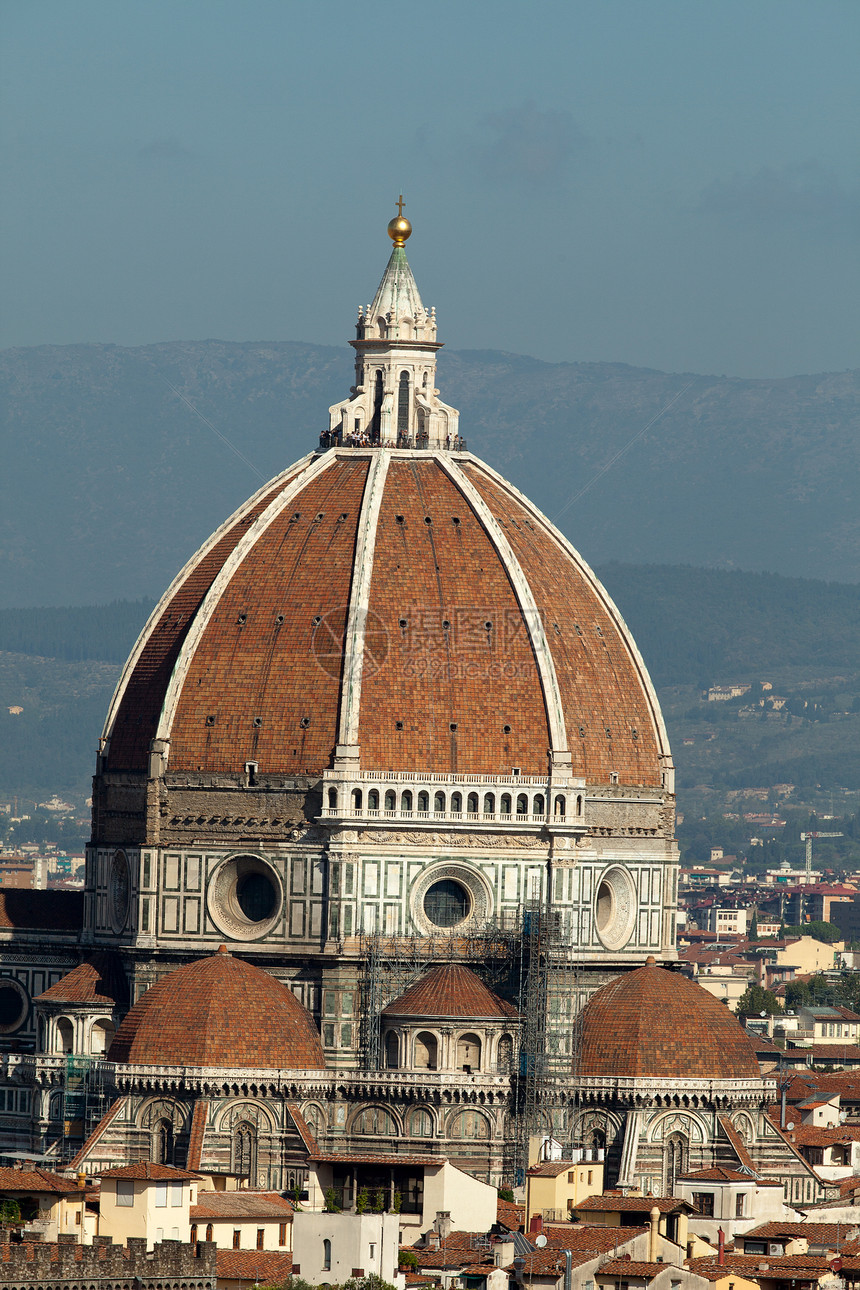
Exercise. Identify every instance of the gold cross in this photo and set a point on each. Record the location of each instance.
(400, 205)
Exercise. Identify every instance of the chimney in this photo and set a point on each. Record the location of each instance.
(654, 1234)
(721, 1247)
(536, 1224)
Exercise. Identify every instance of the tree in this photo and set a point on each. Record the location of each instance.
(379, 1201)
(408, 1260)
(827, 933)
(754, 926)
(331, 1205)
(362, 1201)
(505, 1193)
(755, 999)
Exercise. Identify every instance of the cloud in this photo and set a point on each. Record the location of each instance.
(165, 149)
(528, 147)
(804, 194)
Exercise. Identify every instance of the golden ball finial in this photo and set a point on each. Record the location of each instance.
(399, 228)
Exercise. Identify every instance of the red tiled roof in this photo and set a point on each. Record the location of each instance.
(56, 911)
(263, 1266)
(610, 1203)
(35, 1180)
(219, 1011)
(371, 1158)
(719, 1173)
(629, 1268)
(197, 1133)
(737, 1142)
(272, 647)
(590, 1237)
(449, 990)
(241, 1204)
(303, 1130)
(657, 1023)
(551, 1168)
(101, 980)
(148, 1171)
(110, 1114)
(815, 1233)
(510, 1215)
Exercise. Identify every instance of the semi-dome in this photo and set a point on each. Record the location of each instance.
(219, 1011)
(658, 1024)
(450, 990)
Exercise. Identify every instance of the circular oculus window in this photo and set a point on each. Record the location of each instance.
(119, 891)
(14, 1005)
(450, 898)
(615, 908)
(245, 898)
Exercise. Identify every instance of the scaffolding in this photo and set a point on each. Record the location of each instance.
(84, 1095)
(529, 958)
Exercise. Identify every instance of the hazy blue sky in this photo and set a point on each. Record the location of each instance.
(669, 183)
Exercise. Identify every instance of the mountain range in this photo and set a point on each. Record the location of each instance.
(119, 462)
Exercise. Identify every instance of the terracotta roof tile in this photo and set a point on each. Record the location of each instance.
(100, 980)
(657, 1023)
(197, 1133)
(449, 990)
(608, 1203)
(57, 911)
(35, 1180)
(629, 1268)
(254, 1266)
(110, 1114)
(219, 1011)
(241, 1204)
(148, 1171)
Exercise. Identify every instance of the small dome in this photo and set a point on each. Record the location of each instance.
(655, 1023)
(450, 990)
(99, 981)
(219, 1011)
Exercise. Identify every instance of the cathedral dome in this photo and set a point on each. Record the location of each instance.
(450, 990)
(658, 1024)
(409, 608)
(219, 1011)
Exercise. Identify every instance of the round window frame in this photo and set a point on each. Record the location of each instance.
(616, 934)
(477, 888)
(222, 896)
(9, 1027)
(119, 904)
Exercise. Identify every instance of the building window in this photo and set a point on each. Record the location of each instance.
(245, 1150)
(403, 404)
(704, 1202)
(282, 1234)
(446, 903)
(326, 1263)
(125, 1193)
(260, 1234)
(237, 1239)
(162, 1142)
(740, 1200)
(193, 1233)
(209, 1231)
(176, 1193)
(161, 1195)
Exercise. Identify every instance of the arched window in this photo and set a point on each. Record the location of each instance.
(209, 1231)
(560, 805)
(65, 1035)
(538, 805)
(406, 800)
(101, 1036)
(403, 404)
(457, 802)
(326, 1262)
(391, 1051)
(421, 1123)
(489, 803)
(505, 1059)
(426, 1050)
(473, 803)
(373, 800)
(391, 800)
(522, 804)
(244, 1150)
(193, 1234)
(505, 804)
(356, 799)
(376, 419)
(675, 1152)
(375, 1121)
(162, 1142)
(423, 801)
(469, 1124)
(439, 802)
(469, 1053)
(332, 799)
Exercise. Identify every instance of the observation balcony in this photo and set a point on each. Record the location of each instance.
(371, 439)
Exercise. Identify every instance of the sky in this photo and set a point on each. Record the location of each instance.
(666, 183)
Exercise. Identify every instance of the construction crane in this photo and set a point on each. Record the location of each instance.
(807, 838)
